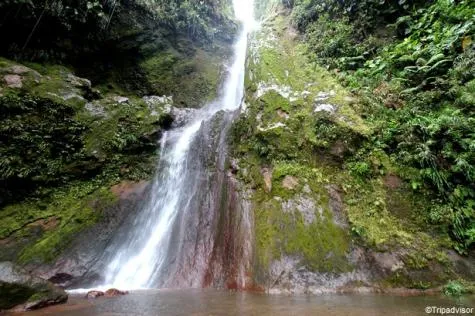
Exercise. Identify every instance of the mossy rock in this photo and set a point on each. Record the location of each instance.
(12, 295)
(18, 287)
(73, 210)
(191, 80)
(55, 132)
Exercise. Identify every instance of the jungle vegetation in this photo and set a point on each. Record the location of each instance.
(413, 65)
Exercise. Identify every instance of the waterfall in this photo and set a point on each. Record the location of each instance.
(139, 260)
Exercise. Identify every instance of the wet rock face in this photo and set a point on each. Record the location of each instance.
(229, 265)
(17, 287)
(178, 116)
(463, 265)
(82, 264)
(181, 116)
(289, 276)
(211, 244)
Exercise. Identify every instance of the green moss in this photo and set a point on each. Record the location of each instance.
(370, 218)
(276, 143)
(272, 102)
(55, 84)
(4, 63)
(288, 85)
(38, 296)
(288, 168)
(265, 232)
(59, 157)
(124, 126)
(192, 81)
(308, 176)
(404, 280)
(322, 245)
(386, 219)
(160, 68)
(75, 208)
(13, 294)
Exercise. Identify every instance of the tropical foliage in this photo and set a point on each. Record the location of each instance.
(41, 27)
(413, 62)
(198, 19)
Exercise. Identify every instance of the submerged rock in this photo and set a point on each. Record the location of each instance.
(19, 288)
(94, 294)
(109, 293)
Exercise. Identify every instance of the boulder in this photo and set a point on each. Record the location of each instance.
(24, 72)
(115, 292)
(109, 293)
(290, 182)
(18, 287)
(19, 70)
(94, 294)
(121, 100)
(78, 82)
(13, 81)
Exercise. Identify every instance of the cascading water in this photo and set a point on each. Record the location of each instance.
(140, 261)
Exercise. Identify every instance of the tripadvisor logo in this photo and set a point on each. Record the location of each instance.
(449, 310)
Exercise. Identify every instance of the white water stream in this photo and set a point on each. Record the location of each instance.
(140, 259)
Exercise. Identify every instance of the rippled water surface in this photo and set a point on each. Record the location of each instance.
(199, 302)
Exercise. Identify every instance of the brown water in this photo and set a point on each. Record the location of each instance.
(210, 302)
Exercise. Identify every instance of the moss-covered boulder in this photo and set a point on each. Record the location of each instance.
(18, 287)
(56, 129)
